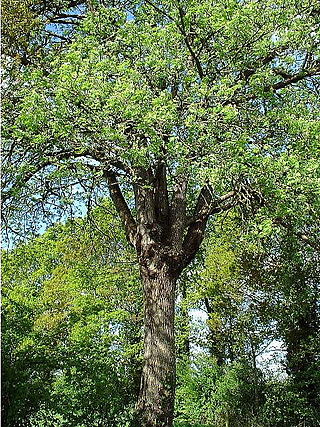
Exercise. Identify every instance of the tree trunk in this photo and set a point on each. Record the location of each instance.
(156, 400)
(165, 242)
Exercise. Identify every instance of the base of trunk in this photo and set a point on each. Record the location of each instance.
(156, 400)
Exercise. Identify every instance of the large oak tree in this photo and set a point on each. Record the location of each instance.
(181, 110)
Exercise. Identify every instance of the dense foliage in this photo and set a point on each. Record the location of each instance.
(71, 327)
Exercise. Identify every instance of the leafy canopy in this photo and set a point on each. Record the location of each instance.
(220, 92)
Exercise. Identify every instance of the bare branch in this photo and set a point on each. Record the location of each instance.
(59, 36)
(22, 180)
(182, 28)
(294, 79)
(263, 61)
(183, 31)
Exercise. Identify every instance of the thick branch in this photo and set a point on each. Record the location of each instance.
(59, 36)
(145, 196)
(207, 305)
(66, 15)
(51, 158)
(294, 79)
(205, 207)
(218, 205)
(121, 206)
(287, 82)
(178, 214)
(161, 194)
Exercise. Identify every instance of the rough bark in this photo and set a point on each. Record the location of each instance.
(156, 400)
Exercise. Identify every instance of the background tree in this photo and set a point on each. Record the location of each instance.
(288, 275)
(260, 288)
(181, 111)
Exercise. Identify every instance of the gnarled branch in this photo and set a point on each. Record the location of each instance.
(121, 205)
(206, 206)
